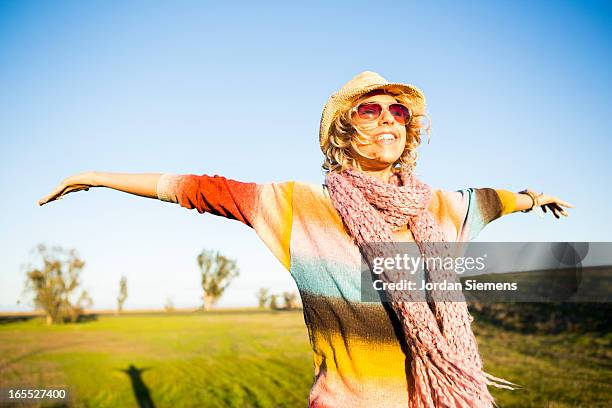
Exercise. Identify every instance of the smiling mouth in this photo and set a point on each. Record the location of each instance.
(386, 138)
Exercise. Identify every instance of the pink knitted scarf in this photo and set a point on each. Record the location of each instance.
(446, 368)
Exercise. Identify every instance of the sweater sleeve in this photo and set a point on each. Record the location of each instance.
(466, 212)
(267, 208)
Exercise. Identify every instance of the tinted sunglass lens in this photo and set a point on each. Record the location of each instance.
(400, 112)
(369, 111)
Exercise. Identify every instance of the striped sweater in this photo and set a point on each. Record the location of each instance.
(358, 356)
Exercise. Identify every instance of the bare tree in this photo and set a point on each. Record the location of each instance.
(290, 299)
(122, 294)
(262, 297)
(217, 272)
(55, 282)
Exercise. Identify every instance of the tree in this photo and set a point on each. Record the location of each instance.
(169, 306)
(55, 282)
(290, 299)
(262, 297)
(217, 272)
(273, 305)
(122, 294)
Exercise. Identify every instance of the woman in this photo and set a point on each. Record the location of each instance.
(404, 352)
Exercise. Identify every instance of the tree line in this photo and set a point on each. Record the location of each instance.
(265, 299)
(54, 282)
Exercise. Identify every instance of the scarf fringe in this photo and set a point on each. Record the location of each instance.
(501, 383)
(447, 384)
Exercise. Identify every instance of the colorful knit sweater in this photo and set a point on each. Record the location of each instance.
(358, 358)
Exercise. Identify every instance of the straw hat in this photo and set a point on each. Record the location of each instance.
(361, 84)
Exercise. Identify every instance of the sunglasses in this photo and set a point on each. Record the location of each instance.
(370, 111)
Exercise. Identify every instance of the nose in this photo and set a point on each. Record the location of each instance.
(386, 118)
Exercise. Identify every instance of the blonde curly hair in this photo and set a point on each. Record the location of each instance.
(338, 155)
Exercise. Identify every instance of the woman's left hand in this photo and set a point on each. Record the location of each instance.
(547, 202)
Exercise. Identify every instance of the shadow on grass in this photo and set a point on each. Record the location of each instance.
(87, 318)
(24, 318)
(16, 319)
(140, 389)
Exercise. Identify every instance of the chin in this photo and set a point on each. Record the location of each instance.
(389, 159)
(381, 164)
(381, 159)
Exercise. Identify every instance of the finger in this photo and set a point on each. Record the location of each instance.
(563, 203)
(547, 199)
(54, 195)
(66, 190)
(48, 198)
(543, 199)
(554, 212)
(72, 189)
(547, 207)
(560, 210)
(62, 190)
(551, 199)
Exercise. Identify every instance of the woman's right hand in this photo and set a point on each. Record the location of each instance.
(77, 182)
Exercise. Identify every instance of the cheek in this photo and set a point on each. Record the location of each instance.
(397, 152)
(404, 138)
(402, 144)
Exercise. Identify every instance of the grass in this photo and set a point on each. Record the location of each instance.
(555, 370)
(262, 359)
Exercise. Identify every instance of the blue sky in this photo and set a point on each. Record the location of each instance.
(519, 95)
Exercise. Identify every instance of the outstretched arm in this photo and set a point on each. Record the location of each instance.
(144, 185)
(527, 200)
(267, 208)
(470, 210)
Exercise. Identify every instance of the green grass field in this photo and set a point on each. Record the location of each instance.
(262, 359)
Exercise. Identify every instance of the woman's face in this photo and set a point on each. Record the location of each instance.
(386, 136)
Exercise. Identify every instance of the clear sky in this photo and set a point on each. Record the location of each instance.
(519, 94)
